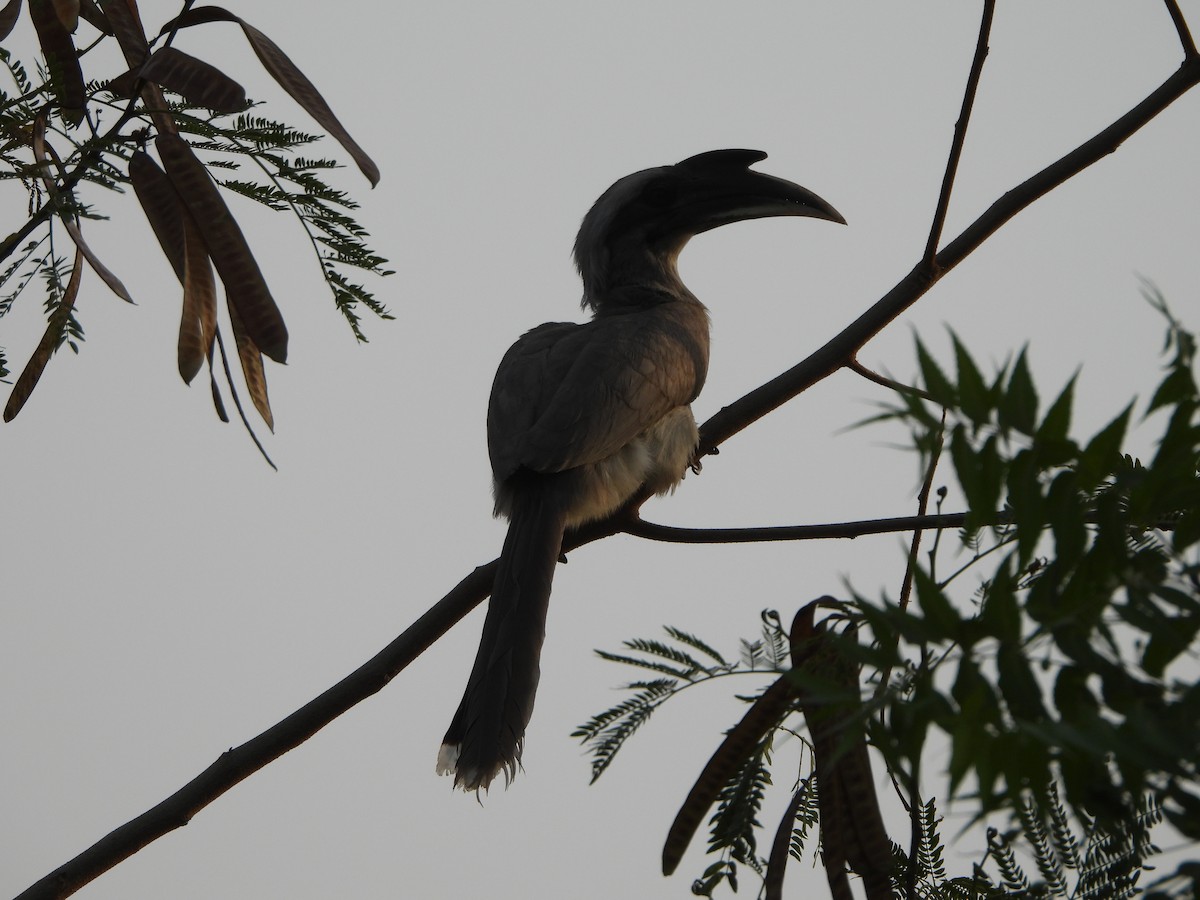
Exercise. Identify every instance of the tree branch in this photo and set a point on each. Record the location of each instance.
(240, 763)
(960, 133)
(839, 350)
(846, 530)
(1181, 28)
(922, 505)
(891, 384)
(87, 161)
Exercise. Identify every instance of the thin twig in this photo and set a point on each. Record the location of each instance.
(913, 551)
(187, 4)
(960, 133)
(922, 508)
(1181, 28)
(839, 350)
(846, 530)
(937, 537)
(87, 161)
(906, 584)
(913, 803)
(891, 384)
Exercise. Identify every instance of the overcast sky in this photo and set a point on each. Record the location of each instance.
(167, 596)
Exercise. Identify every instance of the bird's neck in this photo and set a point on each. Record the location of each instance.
(637, 280)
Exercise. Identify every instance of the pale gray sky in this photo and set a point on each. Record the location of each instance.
(167, 596)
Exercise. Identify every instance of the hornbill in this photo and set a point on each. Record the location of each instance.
(584, 416)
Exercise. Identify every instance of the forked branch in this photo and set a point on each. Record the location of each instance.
(840, 350)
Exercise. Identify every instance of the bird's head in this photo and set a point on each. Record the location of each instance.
(638, 226)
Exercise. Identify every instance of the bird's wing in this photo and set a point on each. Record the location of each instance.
(567, 395)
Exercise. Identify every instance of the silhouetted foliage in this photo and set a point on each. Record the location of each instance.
(62, 131)
(1057, 663)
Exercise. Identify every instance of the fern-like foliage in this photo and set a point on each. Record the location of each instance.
(55, 272)
(1041, 857)
(265, 155)
(1108, 867)
(683, 661)
(771, 651)
(1113, 860)
(1050, 862)
(65, 135)
(926, 877)
(929, 847)
(732, 831)
(608, 731)
(806, 817)
(696, 643)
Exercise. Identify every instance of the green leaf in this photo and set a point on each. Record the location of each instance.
(1102, 455)
(1024, 759)
(963, 455)
(1019, 404)
(945, 622)
(1001, 616)
(974, 398)
(1072, 695)
(978, 707)
(980, 474)
(937, 385)
(1178, 386)
(692, 641)
(1167, 644)
(1028, 503)
(1020, 689)
(682, 674)
(1067, 518)
(1187, 529)
(1057, 423)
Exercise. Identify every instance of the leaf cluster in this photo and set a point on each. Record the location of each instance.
(1066, 682)
(1078, 661)
(60, 129)
(1069, 862)
(684, 661)
(1097, 864)
(264, 154)
(733, 827)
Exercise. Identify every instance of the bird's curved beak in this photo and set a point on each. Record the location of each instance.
(719, 198)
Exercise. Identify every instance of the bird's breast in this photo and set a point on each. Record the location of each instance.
(657, 458)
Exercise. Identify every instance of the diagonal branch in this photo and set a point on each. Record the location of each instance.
(960, 132)
(841, 349)
(239, 763)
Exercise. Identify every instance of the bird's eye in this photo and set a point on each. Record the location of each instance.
(660, 196)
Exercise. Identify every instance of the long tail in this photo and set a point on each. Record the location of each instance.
(487, 733)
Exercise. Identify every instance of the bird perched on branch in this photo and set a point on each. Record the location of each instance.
(584, 416)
